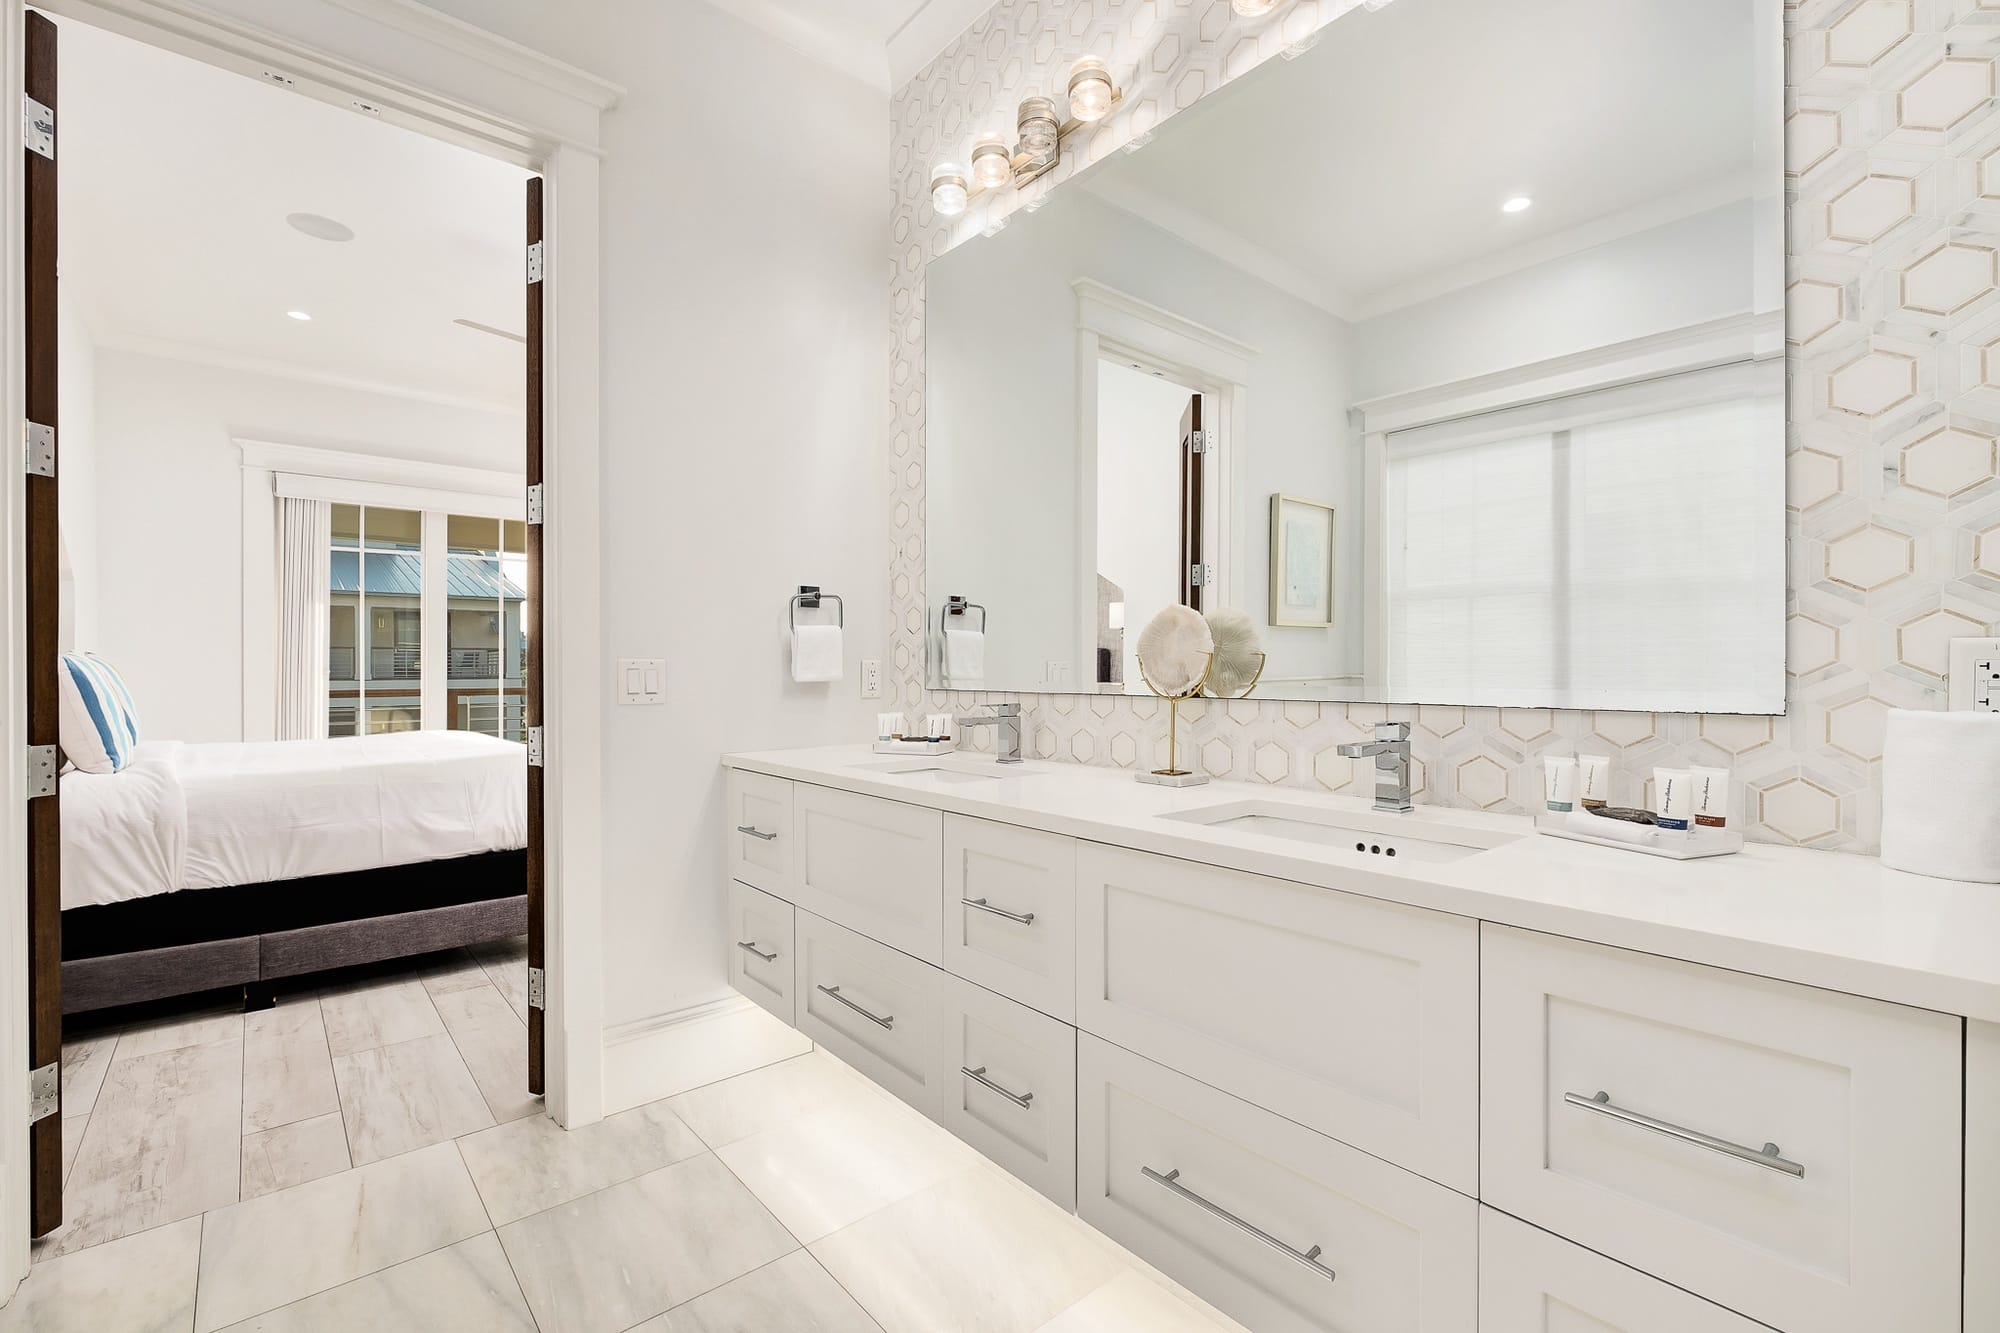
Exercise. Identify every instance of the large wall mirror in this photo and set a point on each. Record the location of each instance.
(1450, 350)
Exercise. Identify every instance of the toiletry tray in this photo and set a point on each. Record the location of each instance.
(917, 745)
(1677, 844)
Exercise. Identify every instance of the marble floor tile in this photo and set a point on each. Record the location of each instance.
(493, 1041)
(793, 1295)
(287, 1067)
(73, 1127)
(279, 1248)
(610, 1259)
(507, 968)
(162, 1143)
(276, 1159)
(823, 1171)
(932, 1260)
(456, 970)
(769, 1097)
(395, 1098)
(142, 1283)
(377, 1012)
(533, 1164)
(84, 1062)
(1134, 1303)
(152, 1036)
(463, 1288)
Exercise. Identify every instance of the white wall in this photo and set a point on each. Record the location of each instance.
(1685, 272)
(169, 512)
(76, 479)
(1002, 448)
(744, 321)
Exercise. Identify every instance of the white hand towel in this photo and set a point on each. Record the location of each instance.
(1941, 794)
(816, 652)
(964, 658)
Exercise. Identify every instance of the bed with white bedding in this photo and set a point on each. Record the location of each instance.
(206, 816)
(202, 865)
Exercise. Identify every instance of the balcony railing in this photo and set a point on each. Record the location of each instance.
(407, 663)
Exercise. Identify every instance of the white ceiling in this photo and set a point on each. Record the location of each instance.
(881, 42)
(176, 179)
(1369, 172)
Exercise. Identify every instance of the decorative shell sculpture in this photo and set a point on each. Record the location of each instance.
(1239, 660)
(1174, 650)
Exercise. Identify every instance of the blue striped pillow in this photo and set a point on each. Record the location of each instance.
(98, 726)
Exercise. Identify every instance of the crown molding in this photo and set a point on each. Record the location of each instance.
(489, 49)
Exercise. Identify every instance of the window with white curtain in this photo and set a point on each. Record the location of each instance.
(1607, 544)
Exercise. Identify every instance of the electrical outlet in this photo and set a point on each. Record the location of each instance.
(1055, 672)
(1972, 680)
(871, 677)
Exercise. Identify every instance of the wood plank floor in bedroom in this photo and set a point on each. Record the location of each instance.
(362, 1157)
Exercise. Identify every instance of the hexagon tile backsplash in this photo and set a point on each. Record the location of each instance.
(1893, 321)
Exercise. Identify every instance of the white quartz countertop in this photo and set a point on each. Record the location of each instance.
(1819, 918)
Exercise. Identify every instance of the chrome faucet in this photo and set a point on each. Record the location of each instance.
(1391, 750)
(1006, 721)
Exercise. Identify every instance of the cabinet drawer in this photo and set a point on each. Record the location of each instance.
(760, 948)
(1237, 1204)
(876, 1009)
(872, 865)
(994, 876)
(1353, 1017)
(1010, 1087)
(759, 831)
(1627, 1102)
(1533, 1282)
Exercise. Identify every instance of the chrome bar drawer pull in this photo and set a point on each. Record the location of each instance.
(1020, 1099)
(1767, 1156)
(1025, 918)
(1309, 1258)
(756, 833)
(750, 946)
(834, 991)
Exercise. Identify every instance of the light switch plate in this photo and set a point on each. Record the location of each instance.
(871, 677)
(1972, 682)
(642, 680)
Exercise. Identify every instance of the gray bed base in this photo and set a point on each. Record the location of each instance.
(183, 969)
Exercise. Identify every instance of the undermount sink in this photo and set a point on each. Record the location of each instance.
(904, 768)
(1432, 836)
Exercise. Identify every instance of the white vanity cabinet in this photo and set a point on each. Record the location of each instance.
(1330, 1112)
(1354, 1017)
(1794, 1154)
(871, 865)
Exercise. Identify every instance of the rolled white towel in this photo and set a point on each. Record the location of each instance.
(1941, 794)
(964, 658)
(816, 652)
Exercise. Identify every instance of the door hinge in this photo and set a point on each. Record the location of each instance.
(534, 263)
(538, 989)
(38, 127)
(41, 771)
(537, 504)
(41, 446)
(1200, 576)
(44, 1091)
(1200, 441)
(536, 749)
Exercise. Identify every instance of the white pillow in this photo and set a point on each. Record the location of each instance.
(97, 725)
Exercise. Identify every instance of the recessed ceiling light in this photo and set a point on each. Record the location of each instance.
(319, 228)
(299, 315)
(1518, 204)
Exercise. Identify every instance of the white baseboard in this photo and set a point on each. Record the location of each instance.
(703, 1043)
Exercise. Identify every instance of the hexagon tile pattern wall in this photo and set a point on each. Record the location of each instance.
(1893, 224)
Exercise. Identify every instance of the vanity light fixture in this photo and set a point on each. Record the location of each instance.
(1520, 203)
(1039, 129)
(948, 192)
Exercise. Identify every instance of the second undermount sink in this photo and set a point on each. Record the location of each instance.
(1432, 836)
(931, 768)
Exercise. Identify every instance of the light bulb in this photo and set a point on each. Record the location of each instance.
(948, 194)
(1520, 203)
(299, 315)
(1251, 9)
(992, 162)
(1090, 90)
